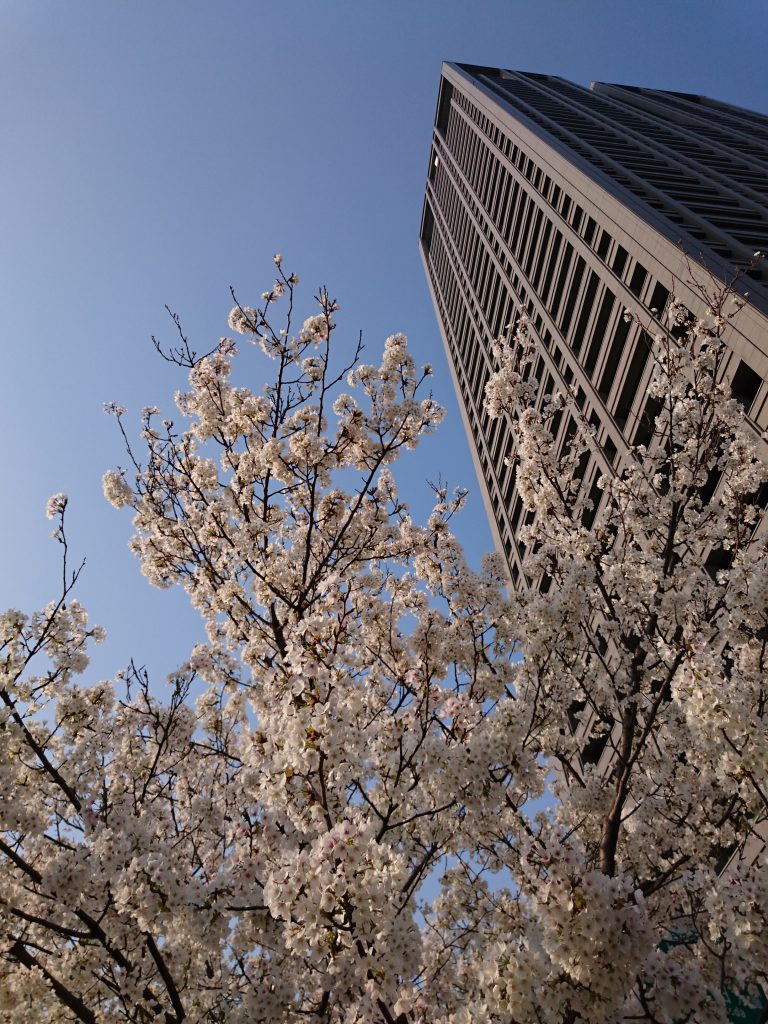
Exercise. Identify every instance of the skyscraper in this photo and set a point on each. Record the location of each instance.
(576, 204)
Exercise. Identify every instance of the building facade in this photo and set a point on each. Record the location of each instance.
(575, 205)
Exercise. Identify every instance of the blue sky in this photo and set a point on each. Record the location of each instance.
(157, 152)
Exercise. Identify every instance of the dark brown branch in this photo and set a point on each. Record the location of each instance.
(165, 974)
(18, 951)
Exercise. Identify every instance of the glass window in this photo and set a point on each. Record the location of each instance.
(659, 300)
(604, 245)
(572, 295)
(637, 281)
(610, 450)
(620, 260)
(632, 380)
(598, 333)
(557, 295)
(745, 385)
(614, 357)
(586, 312)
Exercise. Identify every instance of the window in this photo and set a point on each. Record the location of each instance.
(586, 312)
(598, 333)
(551, 264)
(556, 421)
(510, 486)
(614, 357)
(659, 300)
(595, 496)
(572, 295)
(594, 747)
(531, 238)
(427, 227)
(446, 92)
(745, 385)
(517, 513)
(522, 220)
(647, 423)
(561, 278)
(610, 450)
(633, 378)
(637, 280)
(543, 250)
(619, 260)
(718, 560)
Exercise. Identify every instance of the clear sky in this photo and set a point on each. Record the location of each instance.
(157, 151)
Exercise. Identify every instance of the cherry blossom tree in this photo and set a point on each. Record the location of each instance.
(647, 636)
(369, 714)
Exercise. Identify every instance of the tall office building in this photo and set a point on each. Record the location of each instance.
(576, 204)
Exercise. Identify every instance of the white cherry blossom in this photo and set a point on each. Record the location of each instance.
(251, 843)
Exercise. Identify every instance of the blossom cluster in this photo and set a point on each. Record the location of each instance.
(370, 718)
(644, 674)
